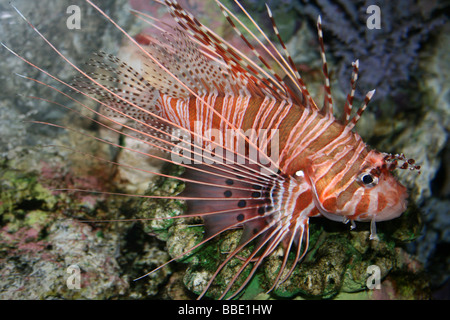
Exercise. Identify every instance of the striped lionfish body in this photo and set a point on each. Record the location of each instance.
(258, 152)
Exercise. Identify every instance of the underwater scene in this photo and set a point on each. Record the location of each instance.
(93, 93)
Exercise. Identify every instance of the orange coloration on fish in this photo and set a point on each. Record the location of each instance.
(259, 153)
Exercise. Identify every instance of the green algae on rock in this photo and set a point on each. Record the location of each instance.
(40, 239)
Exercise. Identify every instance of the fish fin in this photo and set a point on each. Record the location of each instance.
(328, 99)
(349, 103)
(128, 96)
(243, 72)
(231, 201)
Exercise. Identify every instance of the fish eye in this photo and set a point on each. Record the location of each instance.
(368, 179)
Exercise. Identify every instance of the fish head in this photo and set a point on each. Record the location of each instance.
(369, 192)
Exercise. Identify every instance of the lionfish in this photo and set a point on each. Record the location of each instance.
(258, 152)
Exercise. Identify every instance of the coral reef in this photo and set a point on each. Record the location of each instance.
(42, 237)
